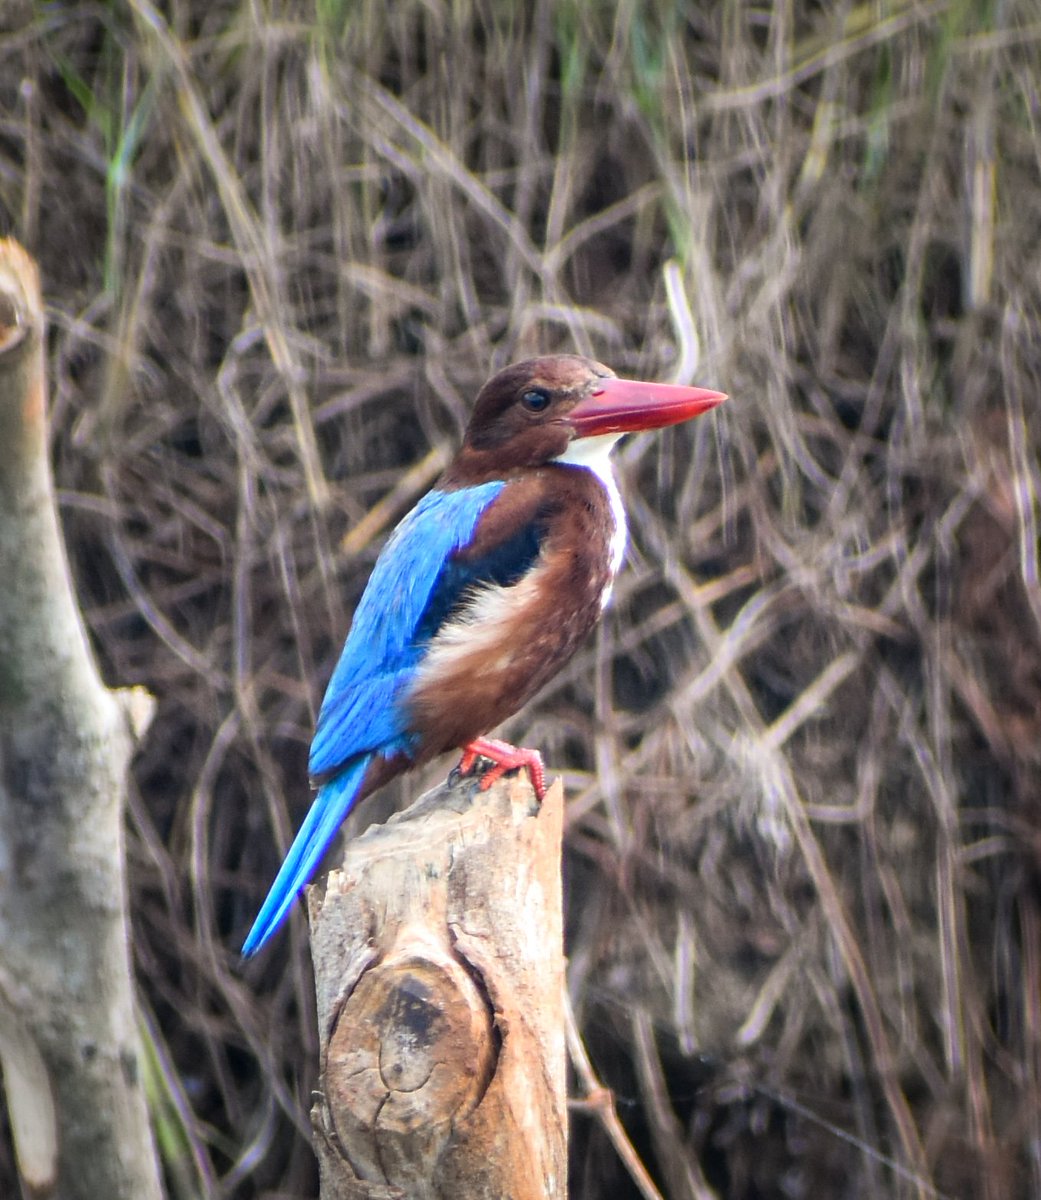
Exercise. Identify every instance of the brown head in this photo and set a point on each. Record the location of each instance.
(529, 413)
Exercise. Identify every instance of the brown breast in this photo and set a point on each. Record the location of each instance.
(487, 662)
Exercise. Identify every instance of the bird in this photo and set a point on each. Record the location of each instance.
(480, 595)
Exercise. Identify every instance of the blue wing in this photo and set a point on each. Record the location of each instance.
(411, 589)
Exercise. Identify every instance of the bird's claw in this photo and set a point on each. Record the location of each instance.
(504, 757)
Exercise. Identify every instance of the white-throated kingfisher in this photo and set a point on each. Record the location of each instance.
(481, 594)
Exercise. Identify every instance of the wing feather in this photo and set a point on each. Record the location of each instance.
(409, 594)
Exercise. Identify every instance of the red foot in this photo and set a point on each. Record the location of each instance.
(506, 758)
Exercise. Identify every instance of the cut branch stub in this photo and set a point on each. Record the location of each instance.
(439, 971)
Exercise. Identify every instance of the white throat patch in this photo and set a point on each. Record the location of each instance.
(593, 454)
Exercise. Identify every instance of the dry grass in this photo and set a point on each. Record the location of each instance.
(284, 246)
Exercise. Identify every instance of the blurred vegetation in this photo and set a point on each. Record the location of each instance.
(283, 245)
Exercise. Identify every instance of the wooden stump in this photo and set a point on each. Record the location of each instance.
(439, 968)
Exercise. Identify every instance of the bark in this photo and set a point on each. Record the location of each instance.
(68, 1038)
(439, 970)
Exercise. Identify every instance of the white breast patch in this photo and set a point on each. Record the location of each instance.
(594, 455)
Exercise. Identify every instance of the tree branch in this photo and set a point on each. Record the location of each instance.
(68, 1037)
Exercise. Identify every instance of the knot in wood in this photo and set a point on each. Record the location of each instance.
(411, 1055)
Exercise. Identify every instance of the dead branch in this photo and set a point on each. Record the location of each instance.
(440, 972)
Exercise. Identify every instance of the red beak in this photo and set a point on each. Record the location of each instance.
(627, 405)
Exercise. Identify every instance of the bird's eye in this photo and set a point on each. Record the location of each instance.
(535, 400)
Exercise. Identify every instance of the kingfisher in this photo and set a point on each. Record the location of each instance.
(480, 595)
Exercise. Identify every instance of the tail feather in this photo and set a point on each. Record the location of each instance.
(334, 801)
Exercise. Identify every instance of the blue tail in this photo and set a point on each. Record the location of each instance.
(332, 804)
